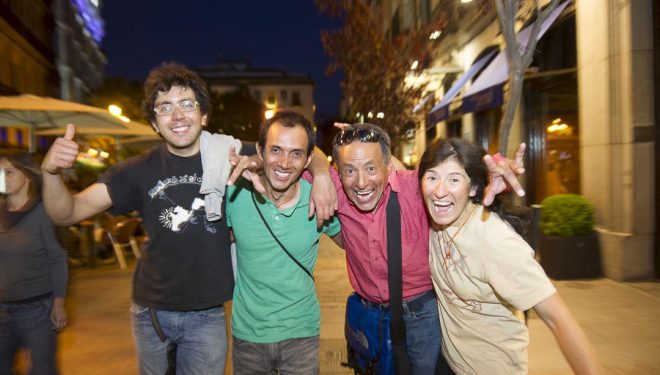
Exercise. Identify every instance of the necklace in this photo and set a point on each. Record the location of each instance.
(447, 240)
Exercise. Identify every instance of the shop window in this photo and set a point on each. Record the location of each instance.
(552, 114)
(455, 129)
(487, 129)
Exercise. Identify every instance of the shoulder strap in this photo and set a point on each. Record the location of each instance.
(395, 284)
(256, 206)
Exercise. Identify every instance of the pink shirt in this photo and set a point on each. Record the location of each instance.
(365, 239)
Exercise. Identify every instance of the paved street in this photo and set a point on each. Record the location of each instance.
(621, 320)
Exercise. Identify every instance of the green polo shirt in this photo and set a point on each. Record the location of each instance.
(274, 300)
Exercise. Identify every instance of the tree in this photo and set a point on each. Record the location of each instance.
(236, 113)
(376, 64)
(519, 57)
(123, 93)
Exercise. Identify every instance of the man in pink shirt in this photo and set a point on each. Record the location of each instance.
(365, 179)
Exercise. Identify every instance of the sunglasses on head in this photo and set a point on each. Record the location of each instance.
(347, 136)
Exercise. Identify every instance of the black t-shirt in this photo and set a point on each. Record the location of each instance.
(187, 262)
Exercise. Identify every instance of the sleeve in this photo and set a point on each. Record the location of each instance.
(332, 226)
(57, 257)
(515, 275)
(229, 198)
(119, 181)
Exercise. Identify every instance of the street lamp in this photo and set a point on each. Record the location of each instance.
(116, 111)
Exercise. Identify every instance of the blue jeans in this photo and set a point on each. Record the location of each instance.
(28, 326)
(201, 339)
(423, 336)
(293, 356)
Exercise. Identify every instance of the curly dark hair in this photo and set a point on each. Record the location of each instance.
(470, 157)
(166, 75)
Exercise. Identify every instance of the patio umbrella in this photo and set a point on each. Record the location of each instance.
(35, 113)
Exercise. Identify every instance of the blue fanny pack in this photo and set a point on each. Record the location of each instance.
(367, 331)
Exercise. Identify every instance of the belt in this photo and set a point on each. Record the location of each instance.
(25, 301)
(414, 304)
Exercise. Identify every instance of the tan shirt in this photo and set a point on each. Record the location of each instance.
(489, 273)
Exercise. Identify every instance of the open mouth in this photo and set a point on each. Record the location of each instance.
(180, 129)
(364, 195)
(282, 175)
(442, 207)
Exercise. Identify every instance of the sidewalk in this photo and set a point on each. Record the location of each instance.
(622, 320)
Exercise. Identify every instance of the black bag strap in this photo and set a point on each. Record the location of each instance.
(171, 347)
(395, 284)
(256, 206)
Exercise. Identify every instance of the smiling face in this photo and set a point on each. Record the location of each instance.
(363, 172)
(179, 129)
(284, 157)
(447, 190)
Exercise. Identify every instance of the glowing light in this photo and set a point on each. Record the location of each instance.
(370, 114)
(414, 65)
(114, 110)
(329, 158)
(466, 1)
(380, 115)
(358, 115)
(269, 113)
(92, 152)
(435, 35)
(104, 155)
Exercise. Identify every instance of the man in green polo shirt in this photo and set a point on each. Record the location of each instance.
(276, 314)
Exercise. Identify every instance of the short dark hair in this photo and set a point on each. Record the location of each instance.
(288, 119)
(25, 163)
(381, 136)
(166, 75)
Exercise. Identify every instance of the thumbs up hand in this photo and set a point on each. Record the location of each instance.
(62, 154)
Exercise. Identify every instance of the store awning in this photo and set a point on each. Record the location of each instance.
(440, 111)
(422, 102)
(486, 91)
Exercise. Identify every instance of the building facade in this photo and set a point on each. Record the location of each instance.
(49, 48)
(275, 89)
(79, 59)
(588, 110)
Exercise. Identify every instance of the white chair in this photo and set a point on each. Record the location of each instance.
(124, 235)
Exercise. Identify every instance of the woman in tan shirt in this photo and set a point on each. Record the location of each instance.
(483, 271)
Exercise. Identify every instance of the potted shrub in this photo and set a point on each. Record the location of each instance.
(568, 243)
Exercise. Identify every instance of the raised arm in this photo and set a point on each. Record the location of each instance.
(63, 207)
(572, 341)
(503, 172)
(323, 198)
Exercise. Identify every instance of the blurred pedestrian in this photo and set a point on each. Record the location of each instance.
(483, 271)
(33, 269)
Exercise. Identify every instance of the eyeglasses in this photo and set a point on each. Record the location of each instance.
(347, 136)
(186, 105)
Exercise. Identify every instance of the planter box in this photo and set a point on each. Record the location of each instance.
(571, 257)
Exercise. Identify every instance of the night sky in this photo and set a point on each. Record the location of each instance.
(271, 34)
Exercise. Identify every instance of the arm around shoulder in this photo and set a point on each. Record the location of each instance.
(570, 337)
